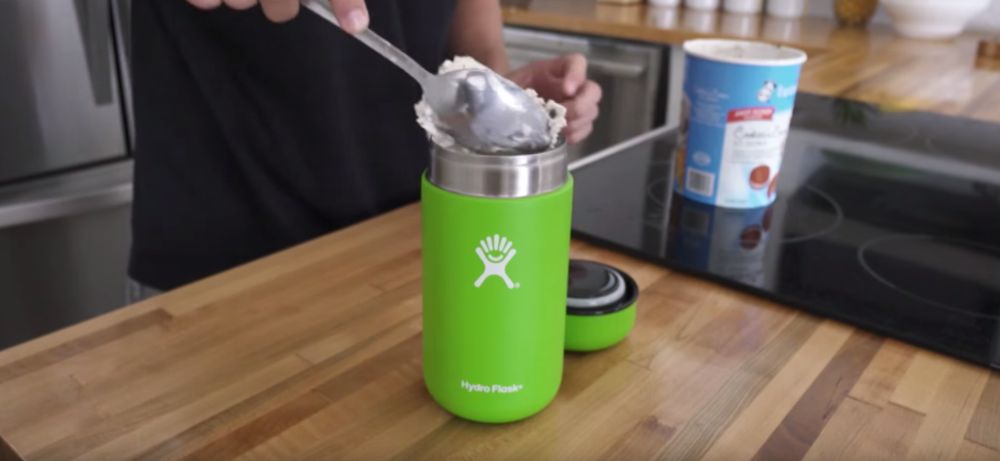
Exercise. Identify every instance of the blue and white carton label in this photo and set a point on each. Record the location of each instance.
(737, 107)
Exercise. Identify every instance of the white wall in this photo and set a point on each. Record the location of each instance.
(987, 21)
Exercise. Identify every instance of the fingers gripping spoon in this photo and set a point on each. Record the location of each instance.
(480, 109)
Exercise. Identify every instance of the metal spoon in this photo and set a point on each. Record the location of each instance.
(480, 109)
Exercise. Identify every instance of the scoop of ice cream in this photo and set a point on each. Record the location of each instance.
(437, 130)
(460, 63)
(557, 115)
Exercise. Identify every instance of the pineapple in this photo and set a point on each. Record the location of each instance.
(855, 12)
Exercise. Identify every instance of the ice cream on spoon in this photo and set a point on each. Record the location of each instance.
(489, 114)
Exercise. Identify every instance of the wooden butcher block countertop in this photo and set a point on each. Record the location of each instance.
(872, 65)
(314, 352)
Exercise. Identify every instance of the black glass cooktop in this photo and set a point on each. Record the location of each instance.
(887, 220)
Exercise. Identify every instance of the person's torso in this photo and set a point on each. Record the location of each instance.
(253, 136)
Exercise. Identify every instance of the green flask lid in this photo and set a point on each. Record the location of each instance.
(600, 305)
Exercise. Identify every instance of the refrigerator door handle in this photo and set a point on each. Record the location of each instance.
(66, 195)
(94, 17)
(613, 68)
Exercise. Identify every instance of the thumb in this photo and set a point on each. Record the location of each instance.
(559, 78)
(352, 14)
(572, 73)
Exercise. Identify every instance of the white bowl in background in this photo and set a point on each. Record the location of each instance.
(932, 19)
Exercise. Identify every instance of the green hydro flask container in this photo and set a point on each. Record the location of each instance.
(496, 234)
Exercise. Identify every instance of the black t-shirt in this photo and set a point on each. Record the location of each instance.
(253, 136)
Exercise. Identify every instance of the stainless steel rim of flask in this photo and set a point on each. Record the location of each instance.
(500, 176)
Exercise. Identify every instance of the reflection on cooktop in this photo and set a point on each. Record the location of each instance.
(809, 214)
(946, 273)
(876, 223)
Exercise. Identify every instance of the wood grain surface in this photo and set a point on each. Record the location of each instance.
(314, 353)
(873, 64)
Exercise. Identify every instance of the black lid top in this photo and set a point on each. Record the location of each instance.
(598, 289)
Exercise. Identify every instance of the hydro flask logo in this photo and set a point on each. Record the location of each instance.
(495, 252)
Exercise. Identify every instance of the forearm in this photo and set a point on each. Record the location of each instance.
(476, 31)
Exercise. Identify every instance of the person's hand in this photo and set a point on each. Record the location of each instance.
(352, 14)
(564, 80)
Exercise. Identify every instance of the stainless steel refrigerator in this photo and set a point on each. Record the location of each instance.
(65, 168)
